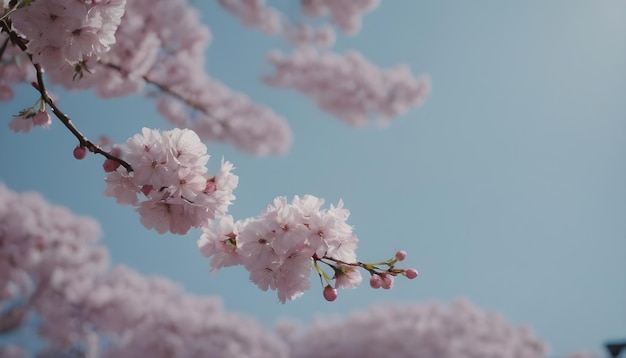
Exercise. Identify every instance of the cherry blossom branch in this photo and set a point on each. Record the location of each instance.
(372, 268)
(167, 90)
(83, 141)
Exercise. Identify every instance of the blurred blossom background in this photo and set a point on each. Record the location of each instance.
(507, 187)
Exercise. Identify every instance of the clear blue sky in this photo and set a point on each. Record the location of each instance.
(507, 188)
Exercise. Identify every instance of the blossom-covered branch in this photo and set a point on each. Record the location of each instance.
(281, 247)
(51, 265)
(27, 119)
(171, 54)
(170, 173)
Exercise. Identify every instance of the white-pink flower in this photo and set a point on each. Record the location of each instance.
(69, 31)
(170, 170)
(279, 247)
(220, 243)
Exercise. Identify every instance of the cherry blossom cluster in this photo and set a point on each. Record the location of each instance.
(346, 14)
(459, 330)
(281, 247)
(66, 32)
(29, 118)
(147, 49)
(51, 266)
(171, 56)
(348, 85)
(169, 173)
(125, 314)
(305, 35)
(78, 50)
(255, 13)
(43, 250)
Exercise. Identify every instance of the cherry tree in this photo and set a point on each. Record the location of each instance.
(55, 270)
(52, 265)
(119, 48)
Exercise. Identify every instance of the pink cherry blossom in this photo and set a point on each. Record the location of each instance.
(254, 14)
(417, 331)
(171, 55)
(170, 170)
(220, 244)
(67, 32)
(50, 265)
(344, 13)
(281, 247)
(347, 277)
(348, 86)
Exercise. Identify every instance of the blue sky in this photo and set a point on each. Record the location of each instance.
(508, 187)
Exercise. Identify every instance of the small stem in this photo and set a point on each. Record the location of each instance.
(8, 13)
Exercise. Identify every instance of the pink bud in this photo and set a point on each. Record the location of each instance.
(330, 294)
(80, 152)
(110, 165)
(410, 273)
(387, 281)
(401, 255)
(146, 189)
(375, 281)
(211, 187)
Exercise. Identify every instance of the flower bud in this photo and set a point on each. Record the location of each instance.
(110, 165)
(387, 281)
(330, 293)
(401, 255)
(80, 152)
(146, 189)
(42, 119)
(375, 281)
(410, 273)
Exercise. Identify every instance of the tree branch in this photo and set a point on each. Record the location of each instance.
(67, 122)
